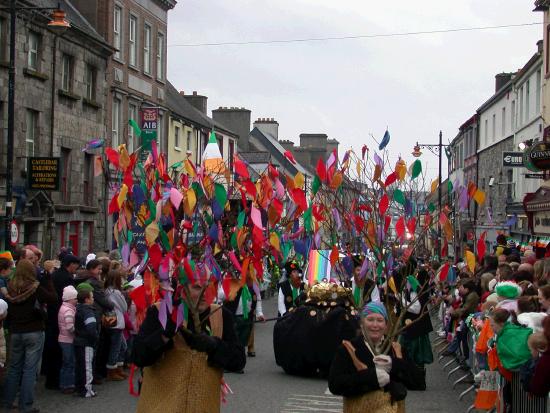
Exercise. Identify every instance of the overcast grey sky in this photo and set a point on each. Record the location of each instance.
(414, 85)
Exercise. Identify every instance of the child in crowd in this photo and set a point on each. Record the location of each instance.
(85, 338)
(6, 268)
(65, 320)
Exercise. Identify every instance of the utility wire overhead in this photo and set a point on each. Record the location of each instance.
(351, 37)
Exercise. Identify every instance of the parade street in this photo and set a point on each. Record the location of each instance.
(264, 388)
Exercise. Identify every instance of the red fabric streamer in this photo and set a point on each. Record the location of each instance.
(400, 227)
(321, 170)
(390, 179)
(384, 204)
(240, 168)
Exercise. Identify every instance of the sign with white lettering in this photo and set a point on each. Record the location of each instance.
(512, 159)
(43, 173)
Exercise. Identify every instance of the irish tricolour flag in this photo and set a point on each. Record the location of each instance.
(212, 160)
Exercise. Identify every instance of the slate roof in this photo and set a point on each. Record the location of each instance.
(256, 156)
(77, 20)
(182, 108)
(278, 152)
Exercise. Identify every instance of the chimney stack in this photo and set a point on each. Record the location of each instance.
(268, 126)
(199, 102)
(236, 120)
(501, 79)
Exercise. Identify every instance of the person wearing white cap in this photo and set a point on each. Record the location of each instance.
(65, 320)
(91, 256)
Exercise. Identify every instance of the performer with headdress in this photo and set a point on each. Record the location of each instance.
(292, 290)
(368, 380)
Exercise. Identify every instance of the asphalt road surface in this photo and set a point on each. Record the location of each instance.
(264, 387)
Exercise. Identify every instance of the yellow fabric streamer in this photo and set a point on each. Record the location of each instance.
(299, 180)
(124, 158)
(122, 195)
(434, 186)
(190, 202)
(151, 233)
(274, 241)
(479, 197)
(470, 259)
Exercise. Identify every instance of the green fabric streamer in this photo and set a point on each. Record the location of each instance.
(195, 229)
(164, 239)
(431, 208)
(416, 169)
(308, 221)
(286, 249)
(246, 297)
(449, 186)
(413, 282)
(315, 185)
(198, 189)
(398, 196)
(240, 219)
(177, 165)
(357, 294)
(135, 127)
(379, 269)
(234, 244)
(221, 194)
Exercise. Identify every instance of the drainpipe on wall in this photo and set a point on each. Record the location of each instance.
(50, 221)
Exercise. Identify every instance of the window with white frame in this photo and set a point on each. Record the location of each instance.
(66, 72)
(538, 92)
(132, 41)
(117, 31)
(33, 41)
(160, 56)
(132, 114)
(493, 131)
(520, 106)
(160, 131)
(31, 123)
(486, 132)
(503, 123)
(527, 99)
(177, 137)
(188, 147)
(90, 81)
(147, 49)
(116, 122)
(513, 116)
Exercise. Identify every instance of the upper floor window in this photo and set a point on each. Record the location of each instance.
(147, 49)
(3, 39)
(493, 132)
(538, 92)
(132, 41)
(160, 56)
(33, 43)
(527, 99)
(66, 72)
(117, 31)
(132, 114)
(31, 123)
(177, 137)
(503, 127)
(90, 81)
(116, 122)
(188, 147)
(513, 116)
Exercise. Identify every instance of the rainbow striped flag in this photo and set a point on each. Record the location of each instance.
(318, 266)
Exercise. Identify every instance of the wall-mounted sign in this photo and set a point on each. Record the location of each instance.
(149, 126)
(512, 159)
(534, 176)
(537, 157)
(14, 233)
(43, 173)
(541, 222)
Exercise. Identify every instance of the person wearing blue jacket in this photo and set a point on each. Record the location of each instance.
(85, 338)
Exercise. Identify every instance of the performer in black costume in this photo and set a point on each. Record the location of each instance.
(292, 290)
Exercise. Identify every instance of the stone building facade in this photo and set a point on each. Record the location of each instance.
(60, 101)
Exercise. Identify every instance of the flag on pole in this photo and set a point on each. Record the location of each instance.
(212, 158)
(318, 266)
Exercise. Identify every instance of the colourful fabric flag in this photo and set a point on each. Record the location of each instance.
(318, 266)
(212, 159)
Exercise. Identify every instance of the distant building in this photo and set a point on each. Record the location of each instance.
(60, 105)
(190, 128)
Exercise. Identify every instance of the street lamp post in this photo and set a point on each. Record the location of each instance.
(436, 149)
(58, 24)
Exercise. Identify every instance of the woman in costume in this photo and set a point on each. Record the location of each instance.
(368, 380)
(184, 367)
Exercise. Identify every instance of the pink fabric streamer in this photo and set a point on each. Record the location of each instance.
(234, 261)
(336, 216)
(377, 159)
(125, 253)
(256, 217)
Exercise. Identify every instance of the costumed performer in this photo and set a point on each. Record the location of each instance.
(362, 285)
(292, 290)
(184, 367)
(368, 380)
